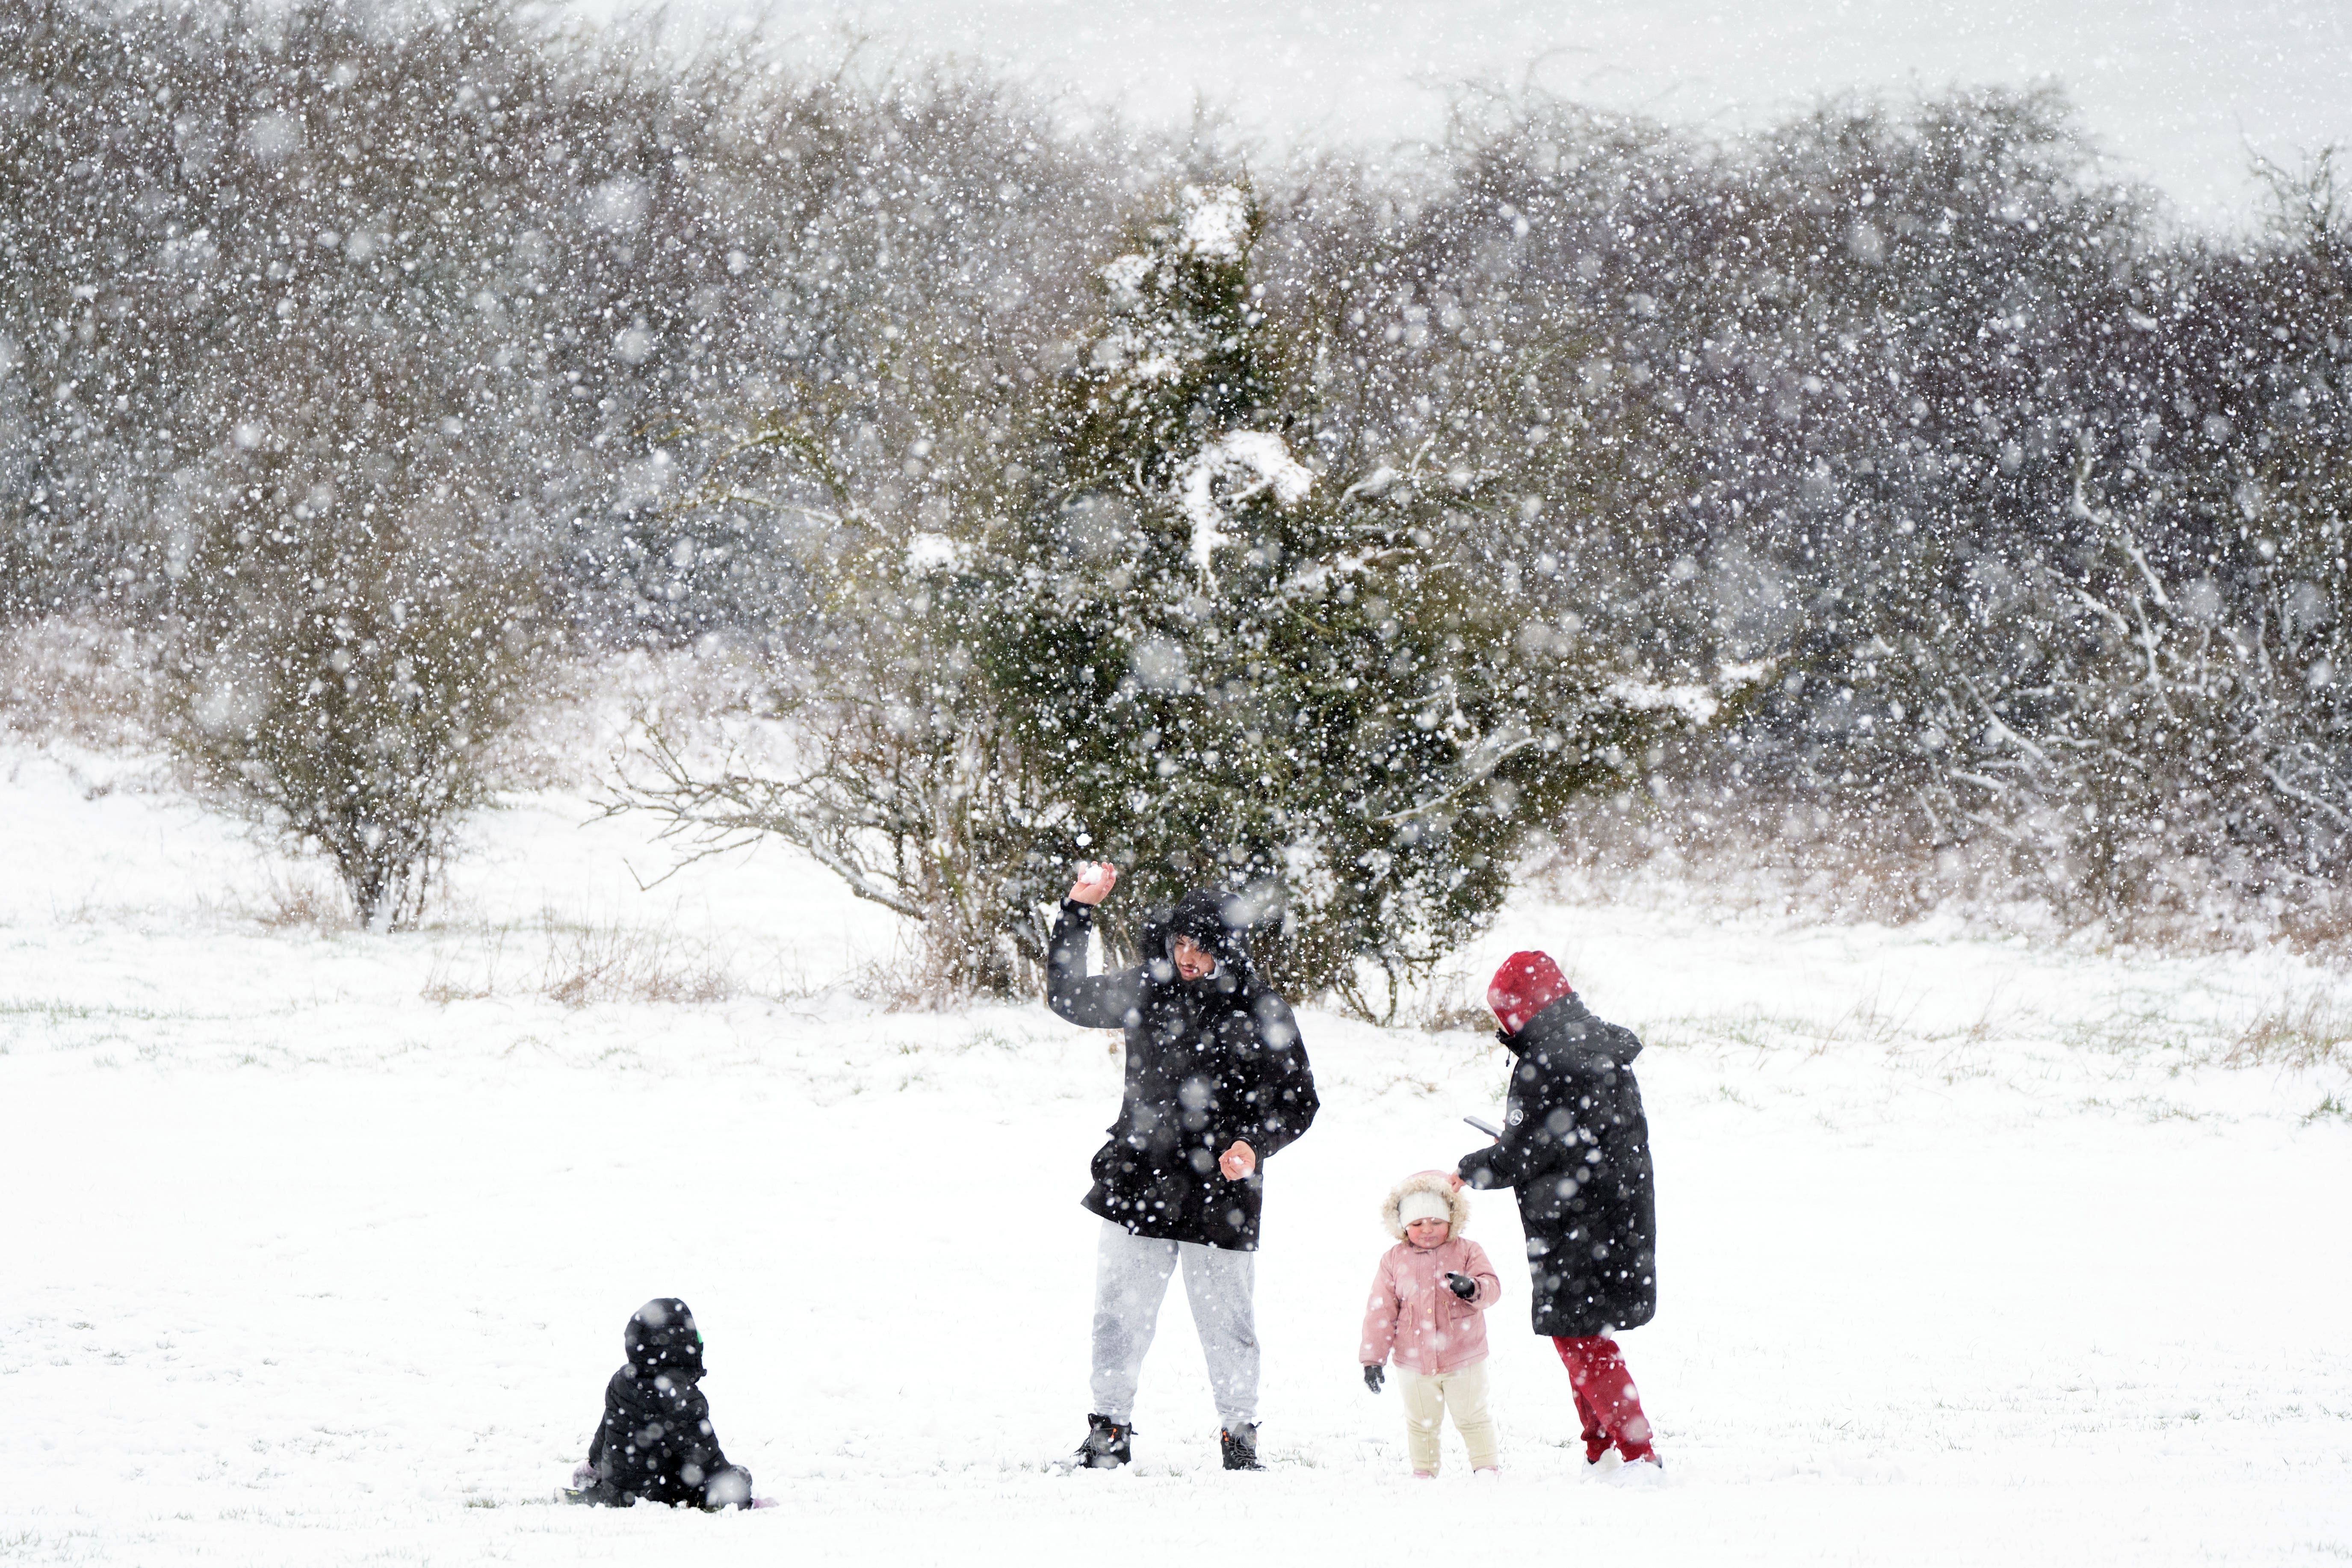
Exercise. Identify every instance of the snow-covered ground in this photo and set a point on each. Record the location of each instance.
(2177, 93)
(318, 1245)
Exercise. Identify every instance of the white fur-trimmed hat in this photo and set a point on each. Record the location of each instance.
(1438, 1184)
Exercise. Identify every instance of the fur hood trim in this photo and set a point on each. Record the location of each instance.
(1438, 1181)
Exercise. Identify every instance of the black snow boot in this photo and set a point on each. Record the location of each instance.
(1240, 1444)
(1106, 1445)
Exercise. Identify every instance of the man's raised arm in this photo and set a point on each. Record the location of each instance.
(1090, 1001)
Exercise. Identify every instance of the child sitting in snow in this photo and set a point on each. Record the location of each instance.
(1428, 1297)
(655, 1444)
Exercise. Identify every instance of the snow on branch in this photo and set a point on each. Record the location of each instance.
(1232, 470)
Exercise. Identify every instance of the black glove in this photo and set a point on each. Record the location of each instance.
(1373, 1376)
(1462, 1285)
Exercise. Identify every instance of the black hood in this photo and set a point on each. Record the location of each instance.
(1568, 1025)
(661, 1337)
(1207, 916)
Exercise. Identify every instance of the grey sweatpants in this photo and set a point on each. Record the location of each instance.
(1131, 1281)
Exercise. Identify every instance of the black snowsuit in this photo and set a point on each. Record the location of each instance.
(1576, 1147)
(1209, 1063)
(655, 1442)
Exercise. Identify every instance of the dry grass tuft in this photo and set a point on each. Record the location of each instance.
(629, 963)
(581, 965)
(2311, 1032)
(445, 983)
(1456, 1016)
(1447, 1004)
(299, 902)
(903, 984)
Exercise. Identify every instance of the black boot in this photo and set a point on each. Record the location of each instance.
(1240, 1444)
(1106, 1445)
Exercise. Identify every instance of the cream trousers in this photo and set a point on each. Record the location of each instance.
(1426, 1401)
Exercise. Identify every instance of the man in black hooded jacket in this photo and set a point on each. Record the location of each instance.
(655, 1442)
(1217, 1081)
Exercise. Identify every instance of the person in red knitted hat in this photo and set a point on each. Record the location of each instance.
(1525, 985)
(1575, 1150)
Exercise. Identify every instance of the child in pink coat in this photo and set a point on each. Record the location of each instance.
(1429, 1298)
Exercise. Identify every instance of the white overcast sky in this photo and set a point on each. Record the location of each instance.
(2174, 91)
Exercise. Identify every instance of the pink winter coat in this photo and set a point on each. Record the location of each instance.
(1414, 1315)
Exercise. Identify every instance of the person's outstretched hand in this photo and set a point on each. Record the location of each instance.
(1373, 1375)
(1095, 885)
(1462, 1285)
(1237, 1162)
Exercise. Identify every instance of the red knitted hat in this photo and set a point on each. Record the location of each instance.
(1525, 985)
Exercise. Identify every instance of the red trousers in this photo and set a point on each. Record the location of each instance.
(1605, 1398)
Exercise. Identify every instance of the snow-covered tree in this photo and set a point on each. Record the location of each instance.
(2126, 739)
(1240, 668)
(351, 642)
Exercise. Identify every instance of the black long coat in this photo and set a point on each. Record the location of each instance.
(1576, 1149)
(656, 1443)
(1209, 1063)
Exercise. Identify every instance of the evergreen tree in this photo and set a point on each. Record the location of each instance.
(1242, 671)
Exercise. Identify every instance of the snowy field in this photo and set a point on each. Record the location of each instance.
(2176, 94)
(321, 1244)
